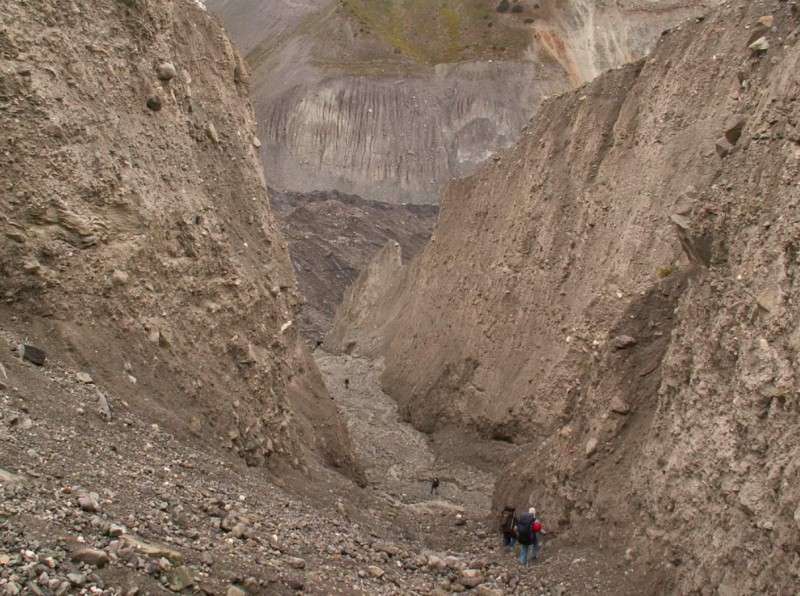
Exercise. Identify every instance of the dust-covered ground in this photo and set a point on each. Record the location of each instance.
(121, 506)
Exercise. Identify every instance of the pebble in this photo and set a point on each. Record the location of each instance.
(211, 132)
(166, 71)
(89, 502)
(91, 556)
(296, 563)
(179, 579)
(154, 103)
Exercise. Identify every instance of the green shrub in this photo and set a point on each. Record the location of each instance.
(664, 272)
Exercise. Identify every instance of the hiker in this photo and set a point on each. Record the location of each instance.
(508, 526)
(347, 383)
(435, 485)
(528, 529)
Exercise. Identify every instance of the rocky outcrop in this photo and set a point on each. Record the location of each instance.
(136, 239)
(616, 294)
(333, 236)
(391, 100)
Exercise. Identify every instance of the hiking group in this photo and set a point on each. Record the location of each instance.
(524, 530)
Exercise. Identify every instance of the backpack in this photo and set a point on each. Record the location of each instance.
(536, 527)
(524, 531)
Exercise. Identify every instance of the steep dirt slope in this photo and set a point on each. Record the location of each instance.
(390, 100)
(333, 236)
(136, 240)
(619, 291)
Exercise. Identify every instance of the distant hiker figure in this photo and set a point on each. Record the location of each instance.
(435, 486)
(508, 526)
(347, 383)
(528, 529)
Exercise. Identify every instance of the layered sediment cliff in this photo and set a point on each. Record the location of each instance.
(391, 100)
(136, 238)
(618, 292)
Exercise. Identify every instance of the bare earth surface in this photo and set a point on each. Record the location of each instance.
(398, 459)
(174, 515)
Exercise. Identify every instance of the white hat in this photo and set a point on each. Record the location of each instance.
(532, 510)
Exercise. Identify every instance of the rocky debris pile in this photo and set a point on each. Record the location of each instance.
(124, 507)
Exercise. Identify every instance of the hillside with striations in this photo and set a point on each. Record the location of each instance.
(390, 100)
(617, 295)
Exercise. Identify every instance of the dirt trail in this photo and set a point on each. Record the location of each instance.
(398, 459)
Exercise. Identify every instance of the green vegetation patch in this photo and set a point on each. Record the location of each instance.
(437, 31)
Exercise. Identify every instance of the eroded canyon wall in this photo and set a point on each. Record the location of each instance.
(619, 292)
(136, 238)
(391, 100)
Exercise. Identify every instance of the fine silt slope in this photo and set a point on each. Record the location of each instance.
(136, 238)
(617, 293)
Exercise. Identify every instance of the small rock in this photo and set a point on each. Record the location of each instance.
(116, 531)
(32, 354)
(211, 132)
(11, 589)
(723, 147)
(591, 447)
(76, 579)
(623, 342)
(471, 578)
(235, 591)
(760, 45)
(89, 502)
(179, 579)
(296, 563)
(154, 103)
(296, 583)
(31, 265)
(207, 559)
(630, 554)
(256, 143)
(767, 21)
(84, 378)
(119, 277)
(375, 571)
(166, 71)
(92, 556)
(102, 406)
(619, 405)
(241, 530)
(151, 549)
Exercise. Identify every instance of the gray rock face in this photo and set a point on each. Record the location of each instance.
(350, 98)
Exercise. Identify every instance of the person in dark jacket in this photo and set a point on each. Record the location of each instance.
(508, 526)
(435, 485)
(527, 537)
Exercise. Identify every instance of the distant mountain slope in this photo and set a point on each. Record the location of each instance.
(390, 99)
(333, 236)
